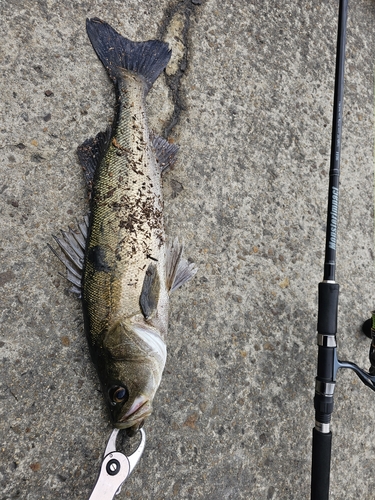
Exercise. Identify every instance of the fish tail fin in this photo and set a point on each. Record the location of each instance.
(147, 59)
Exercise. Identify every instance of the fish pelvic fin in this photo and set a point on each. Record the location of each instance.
(179, 270)
(72, 245)
(147, 59)
(165, 152)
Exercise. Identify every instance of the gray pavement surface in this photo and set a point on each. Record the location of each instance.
(248, 96)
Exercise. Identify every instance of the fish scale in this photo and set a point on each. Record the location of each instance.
(127, 221)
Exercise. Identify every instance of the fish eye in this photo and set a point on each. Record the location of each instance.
(118, 394)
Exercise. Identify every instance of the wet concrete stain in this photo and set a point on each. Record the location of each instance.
(175, 29)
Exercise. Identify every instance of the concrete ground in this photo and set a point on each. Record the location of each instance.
(248, 96)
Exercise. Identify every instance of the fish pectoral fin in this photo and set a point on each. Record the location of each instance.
(91, 153)
(179, 270)
(149, 297)
(165, 152)
(72, 245)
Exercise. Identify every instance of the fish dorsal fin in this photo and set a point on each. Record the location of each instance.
(72, 245)
(178, 269)
(91, 153)
(165, 152)
(150, 291)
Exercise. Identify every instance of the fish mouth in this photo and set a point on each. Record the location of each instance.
(134, 417)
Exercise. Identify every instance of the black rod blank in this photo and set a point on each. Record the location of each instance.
(334, 172)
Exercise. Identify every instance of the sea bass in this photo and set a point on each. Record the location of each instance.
(119, 262)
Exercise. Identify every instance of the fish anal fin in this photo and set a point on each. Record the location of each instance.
(166, 152)
(149, 297)
(91, 153)
(179, 270)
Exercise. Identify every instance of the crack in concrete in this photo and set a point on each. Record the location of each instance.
(175, 30)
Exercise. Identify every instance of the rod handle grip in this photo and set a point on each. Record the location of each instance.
(321, 464)
(327, 310)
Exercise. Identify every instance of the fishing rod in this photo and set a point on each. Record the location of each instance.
(328, 362)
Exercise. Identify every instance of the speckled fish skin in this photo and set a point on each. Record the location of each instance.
(126, 235)
(127, 231)
(118, 261)
(126, 255)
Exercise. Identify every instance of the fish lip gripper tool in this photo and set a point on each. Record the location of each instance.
(115, 468)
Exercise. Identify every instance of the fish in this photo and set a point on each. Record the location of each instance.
(119, 260)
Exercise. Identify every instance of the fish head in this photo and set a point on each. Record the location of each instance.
(131, 372)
